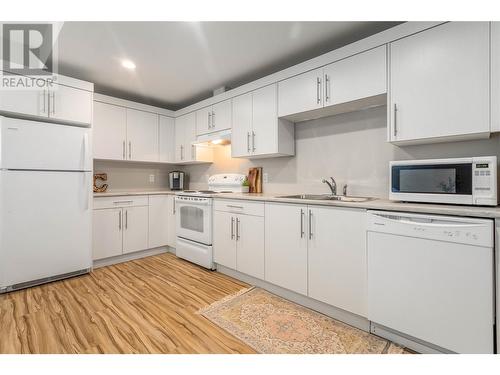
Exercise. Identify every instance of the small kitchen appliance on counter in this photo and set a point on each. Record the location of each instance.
(177, 180)
(471, 181)
(195, 215)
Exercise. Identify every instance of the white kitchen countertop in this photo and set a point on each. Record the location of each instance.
(133, 192)
(378, 204)
(374, 204)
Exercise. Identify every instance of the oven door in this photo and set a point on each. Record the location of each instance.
(194, 220)
(433, 182)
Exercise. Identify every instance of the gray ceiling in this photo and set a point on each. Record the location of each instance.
(180, 63)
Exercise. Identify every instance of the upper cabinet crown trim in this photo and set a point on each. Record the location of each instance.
(371, 42)
(132, 105)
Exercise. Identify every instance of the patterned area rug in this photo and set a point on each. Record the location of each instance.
(272, 325)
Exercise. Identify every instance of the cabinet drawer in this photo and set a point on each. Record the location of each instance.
(120, 201)
(239, 206)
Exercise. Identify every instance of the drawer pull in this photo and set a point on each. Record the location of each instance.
(232, 206)
(118, 202)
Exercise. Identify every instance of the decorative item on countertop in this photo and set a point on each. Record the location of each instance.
(245, 186)
(100, 177)
(255, 180)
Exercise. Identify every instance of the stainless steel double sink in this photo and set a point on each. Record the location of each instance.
(326, 197)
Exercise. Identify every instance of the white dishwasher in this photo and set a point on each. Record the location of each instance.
(432, 278)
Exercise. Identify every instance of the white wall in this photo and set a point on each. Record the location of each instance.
(350, 147)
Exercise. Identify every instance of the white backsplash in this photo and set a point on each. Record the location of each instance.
(350, 147)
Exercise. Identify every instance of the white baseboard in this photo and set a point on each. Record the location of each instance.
(331, 311)
(131, 256)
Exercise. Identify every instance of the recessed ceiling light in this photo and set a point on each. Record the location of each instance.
(128, 64)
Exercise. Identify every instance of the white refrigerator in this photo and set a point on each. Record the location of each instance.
(45, 202)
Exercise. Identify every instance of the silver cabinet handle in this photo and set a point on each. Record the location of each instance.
(310, 225)
(327, 87)
(126, 219)
(193, 152)
(208, 120)
(129, 149)
(127, 201)
(232, 227)
(301, 223)
(237, 229)
(173, 208)
(52, 101)
(44, 97)
(253, 141)
(248, 142)
(120, 220)
(213, 119)
(232, 206)
(182, 153)
(318, 90)
(395, 120)
(123, 148)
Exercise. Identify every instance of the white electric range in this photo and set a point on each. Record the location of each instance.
(195, 217)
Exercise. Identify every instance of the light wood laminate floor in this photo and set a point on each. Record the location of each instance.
(143, 306)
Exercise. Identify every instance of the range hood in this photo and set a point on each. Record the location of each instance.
(220, 138)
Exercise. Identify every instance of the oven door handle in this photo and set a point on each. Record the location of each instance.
(179, 203)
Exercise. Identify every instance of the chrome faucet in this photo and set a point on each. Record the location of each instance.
(332, 185)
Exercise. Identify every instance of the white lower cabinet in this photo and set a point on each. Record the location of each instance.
(319, 252)
(286, 246)
(107, 233)
(126, 224)
(239, 240)
(159, 220)
(337, 257)
(135, 229)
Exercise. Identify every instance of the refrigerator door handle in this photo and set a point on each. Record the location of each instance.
(85, 149)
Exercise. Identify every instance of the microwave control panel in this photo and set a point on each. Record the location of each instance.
(484, 174)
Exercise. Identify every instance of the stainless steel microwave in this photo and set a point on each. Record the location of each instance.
(471, 181)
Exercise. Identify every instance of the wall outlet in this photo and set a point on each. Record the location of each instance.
(265, 177)
(151, 178)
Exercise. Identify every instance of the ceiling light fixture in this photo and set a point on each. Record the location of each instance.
(128, 64)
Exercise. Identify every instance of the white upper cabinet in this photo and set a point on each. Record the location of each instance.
(301, 93)
(359, 80)
(166, 133)
(213, 118)
(109, 131)
(185, 135)
(242, 126)
(142, 135)
(57, 103)
(204, 120)
(68, 104)
(356, 77)
(256, 129)
(439, 84)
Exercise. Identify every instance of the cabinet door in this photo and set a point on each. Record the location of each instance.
(241, 126)
(204, 121)
(190, 152)
(107, 233)
(159, 216)
(286, 246)
(25, 102)
(439, 82)
(167, 139)
(172, 235)
(109, 130)
(225, 239)
(221, 116)
(337, 258)
(69, 104)
(180, 126)
(301, 93)
(356, 77)
(250, 245)
(142, 135)
(264, 138)
(135, 229)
